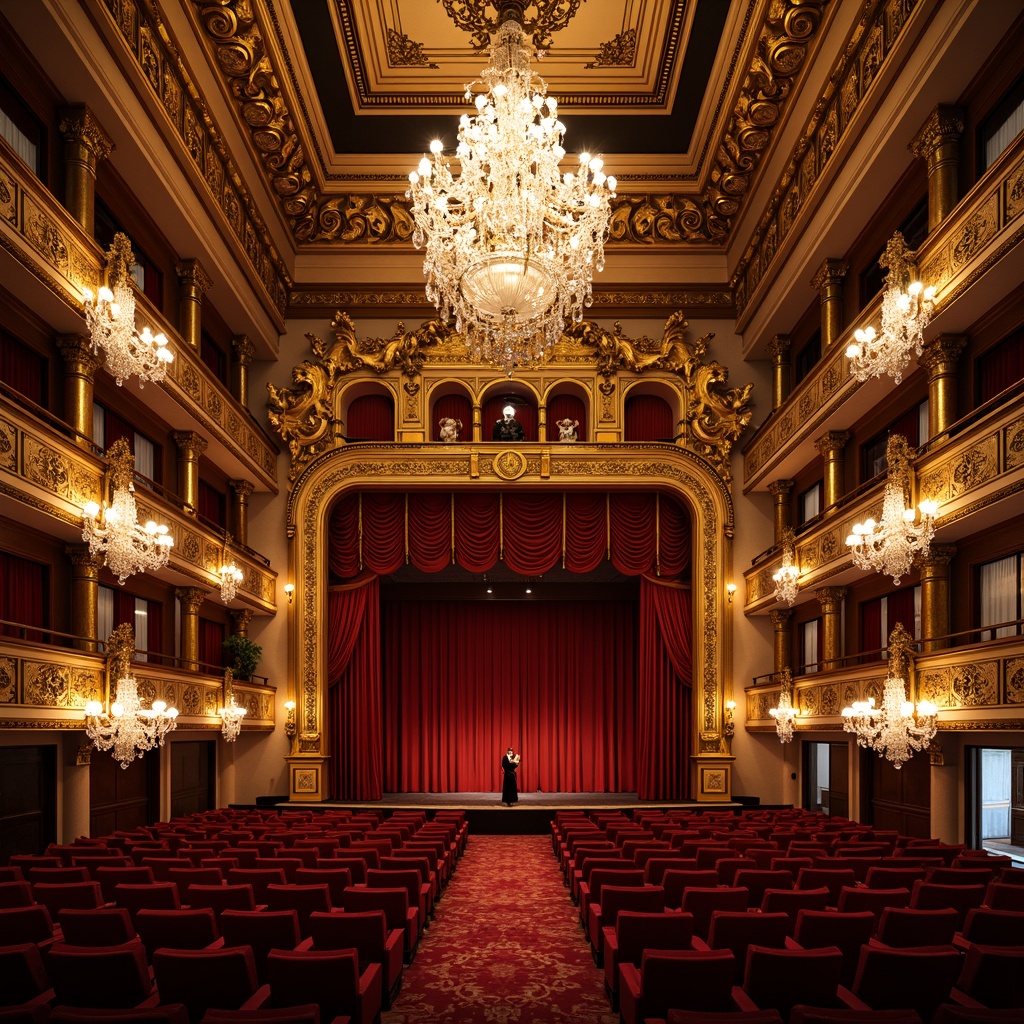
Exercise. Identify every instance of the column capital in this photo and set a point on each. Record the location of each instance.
(780, 488)
(78, 351)
(944, 124)
(243, 488)
(830, 272)
(240, 620)
(831, 441)
(190, 444)
(830, 598)
(80, 557)
(78, 124)
(942, 352)
(192, 275)
(938, 558)
(191, 598)
(781, 618)
(243, 349)
(778, 347)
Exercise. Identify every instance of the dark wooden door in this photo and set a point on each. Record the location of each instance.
(192, 777)
(28, 799)
(839, 780)
(122, 798)
(899, 798)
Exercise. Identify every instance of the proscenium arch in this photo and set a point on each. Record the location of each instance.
(464, 467)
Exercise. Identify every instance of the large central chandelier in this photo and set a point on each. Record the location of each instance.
(129, 730)
(511, 243)
(785, 714)
(110, 316)
(114, 531)
(906, 311)
(897, 728)
(891, 545)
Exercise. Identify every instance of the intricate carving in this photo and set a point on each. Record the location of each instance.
(8, 681)
(404, 53)
(551, 16)
(58, 686)
(1014, 674)
(78, 124)
(617, 53)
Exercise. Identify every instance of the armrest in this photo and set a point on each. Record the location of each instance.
(961, 943)
(371, 988)
(792, 944)
(216, 944)
(699, 944)
(742, 1001)
(849, 1000)
(963, 999)
(305, 945)
(258, 1000)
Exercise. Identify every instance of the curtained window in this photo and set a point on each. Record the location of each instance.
(648, 418)
(1001, 367)
(212, 656)
(23, 600)
(1000, 585)
(567, 407)
(22, 369)
(456, 407)
(116, 607)
(809, 635)
(878, 618)
(212, 504)
(371, 418)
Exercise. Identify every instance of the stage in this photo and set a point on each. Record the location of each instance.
(531, 816)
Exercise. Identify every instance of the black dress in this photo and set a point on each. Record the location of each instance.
(509, 788)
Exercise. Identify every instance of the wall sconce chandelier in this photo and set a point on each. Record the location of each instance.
(114, 531)
(785, 714)
(788, 573)
(906, 311)
(129, 730)
(230, 577)
(512, 243)
(231, 714)
(891, 545)
(897, 728)
(110, 317)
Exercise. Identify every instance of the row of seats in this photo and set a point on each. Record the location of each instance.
(700, 926)
(212, 940)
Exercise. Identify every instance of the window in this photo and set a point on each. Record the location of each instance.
(1002, 126)
(1000, 584)
(809, 503)
(115, 607)
(878, 618)
(107, 427)
(1001, 366)
(807, 358)
(913, 425)
(810, 647)
(914, 231)
(212, 504)
(22, 369)
(213, 358)
(21, 129)
(145, 274)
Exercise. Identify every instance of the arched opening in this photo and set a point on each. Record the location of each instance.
(371, 417)
(649, 415)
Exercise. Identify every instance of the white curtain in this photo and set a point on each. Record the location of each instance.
(105, 614)
(1000, 595)
(809, 645)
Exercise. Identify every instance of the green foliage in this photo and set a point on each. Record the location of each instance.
(246, 654)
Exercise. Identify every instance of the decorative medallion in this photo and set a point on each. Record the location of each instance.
(509, 465)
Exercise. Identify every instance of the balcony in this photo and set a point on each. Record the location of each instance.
(55, 258)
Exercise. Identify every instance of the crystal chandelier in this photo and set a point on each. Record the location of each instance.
(897, 728)
(231, 714)
(788, 574)
(114, 530)
(906, 311)
(891, 545)
(230, 577)
(129, 730)
(512, 243)
(785, 714)
(110, 317)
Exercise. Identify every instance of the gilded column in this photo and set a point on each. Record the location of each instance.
(240, 491)
(240, 620)
(242, 352)
(940, 358)
(477, 424)
(782, 369)
(85, 596)
(189, 598)
(831, 601)
(782, 495)
(80, 366)
(782, 623)
(938, 143)
(190, 446)
(935, 597)
(193, 281)
(85, 145)
(542, 423)
(829, 283)
(831, 446)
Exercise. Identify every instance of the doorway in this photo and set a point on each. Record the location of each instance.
(826, 778)
(996, 799)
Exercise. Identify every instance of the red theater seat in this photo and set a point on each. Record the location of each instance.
(330, 978)
(205, 978)
(101, 976)
(633, 932)
(778, 979)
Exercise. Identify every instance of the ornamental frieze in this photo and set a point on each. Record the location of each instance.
(960, 686)
(1013, 669)
(59, 686)
(965, 470)
(58, 473)
(8, 681)
(1013, 436)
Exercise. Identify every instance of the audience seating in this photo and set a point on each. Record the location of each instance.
(615, 899)
(176, 929)
(16, 894)
(853, 899)
(259, 879)
(101, 976)
(778, 979)
(58, 896)
(397, 912)
(846, 932)
(757, 880)
(27, 924)
(677, 979)
(202, 979)
(103, 926)
(992, 977)
(220, 898)
(677, 880)
(738, 931)
(330, 978)
(961, 898)
(986, 927)
(25, 981)
(905, 927)
(157, 896)
(633, 932)
(903, 979)
(791, 901)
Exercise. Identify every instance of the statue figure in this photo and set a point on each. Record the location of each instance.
(567, 429)
(450, 429)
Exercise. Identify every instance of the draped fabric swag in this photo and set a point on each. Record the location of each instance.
(596, 703)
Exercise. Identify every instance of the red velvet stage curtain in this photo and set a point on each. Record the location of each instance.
(456, 407)
(562, 407)
(526, 414)
(22, 595)
(464, 680)
(354, 690)
(664, 691)
(648, 418)
(648, 532)
(371, 418)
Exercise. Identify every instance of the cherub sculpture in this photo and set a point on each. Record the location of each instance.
(567, 429)
(450, 429)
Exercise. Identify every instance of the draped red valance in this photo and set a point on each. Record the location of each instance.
(531, 531)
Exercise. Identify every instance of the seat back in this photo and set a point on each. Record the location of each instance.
(263, 930)
(177, 929)
(328, 977)
(289, 865)
(677, 880)
(1004, 896)
(909, 979)
(157, 896)
(781, 978)
(906, 926)
(891, 876)
(616, 898)
(109, 877)
(258, 878)
(221, 898)
(184, 877)
(100, 976)
(699, 980)
(853, 899)
(58, 896)
(355, 864)
(959, 876)
(16, 894)
(303, 899)
(613, 876)
(994, 976)
(791, 901)
(394, 903)
(337, 880)
(994, 927)
(832, 879)
(755, 881)
(204, 978)
(639, 930)
(961, 898)
(382, 878)
(847, 932)
(25, 924)
(59, 875)
(103, 926)
(738, 930)
(365, 931)
(24, 974)
(729, 867)
(703, 902)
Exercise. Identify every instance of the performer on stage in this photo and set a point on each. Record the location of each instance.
(509, 428)
(509, 788)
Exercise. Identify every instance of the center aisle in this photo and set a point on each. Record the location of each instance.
(505, 947)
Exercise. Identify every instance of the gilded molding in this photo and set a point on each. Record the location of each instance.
(404, 52)
(617, 53)
(148, 42)
(541, 19)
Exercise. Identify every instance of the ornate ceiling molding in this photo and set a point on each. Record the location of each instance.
(236, 41)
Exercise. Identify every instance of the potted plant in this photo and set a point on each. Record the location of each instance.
(246, 655)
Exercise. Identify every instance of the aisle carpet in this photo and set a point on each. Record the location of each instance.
(505, 947)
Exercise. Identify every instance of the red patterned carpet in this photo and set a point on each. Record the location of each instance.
(505, 947)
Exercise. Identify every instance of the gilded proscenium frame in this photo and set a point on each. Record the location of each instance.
(662, 467)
